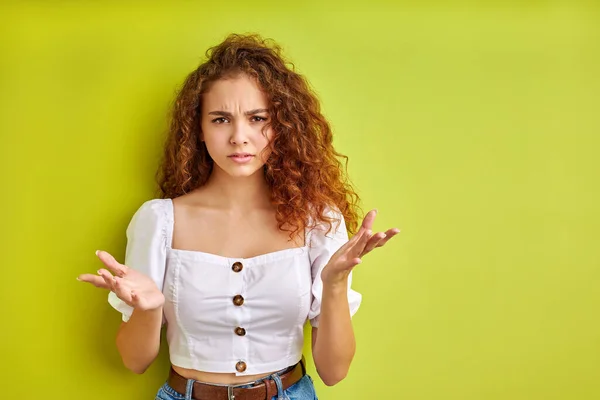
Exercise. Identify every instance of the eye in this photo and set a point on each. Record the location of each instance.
(220, 120)
(257, 118)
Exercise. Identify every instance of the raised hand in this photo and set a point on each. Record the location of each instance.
(133, 287)
(350, 254)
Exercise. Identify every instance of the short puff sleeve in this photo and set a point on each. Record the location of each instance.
(146, 248)
(321, 247)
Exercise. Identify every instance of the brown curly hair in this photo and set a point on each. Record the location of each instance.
(304, 172)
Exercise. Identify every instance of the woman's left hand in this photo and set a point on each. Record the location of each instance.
(350, 254)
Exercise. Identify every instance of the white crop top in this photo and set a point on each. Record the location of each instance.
(231, 315)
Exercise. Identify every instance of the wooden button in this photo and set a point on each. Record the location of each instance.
(237, 266)
(240, 331)
(240, 366)
(238, 300)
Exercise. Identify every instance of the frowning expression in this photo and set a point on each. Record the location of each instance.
(235, 113)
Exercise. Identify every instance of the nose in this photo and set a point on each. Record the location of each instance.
(240, 133)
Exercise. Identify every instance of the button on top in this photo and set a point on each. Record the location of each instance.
(237, 266)
(238, 300)
(240, 366)
(240, 331)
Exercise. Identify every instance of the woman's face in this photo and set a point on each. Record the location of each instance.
(234, 114)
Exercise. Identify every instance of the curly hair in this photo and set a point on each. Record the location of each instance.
(304, 171)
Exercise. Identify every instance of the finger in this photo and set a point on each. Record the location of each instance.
(113, 265)
(108, 278)
(351, 263)
(95, 280)
(357, 249)
(353, 240)
(390, 233)
(373, 242)
(122, 290)
(365, 239)
(369, 219)
(354, 262)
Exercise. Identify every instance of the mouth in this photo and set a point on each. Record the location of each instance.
(241, 157)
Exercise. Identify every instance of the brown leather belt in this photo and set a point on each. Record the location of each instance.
(264, 390)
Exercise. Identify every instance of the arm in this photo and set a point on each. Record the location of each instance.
(333, 343)
(136, 286)
(138, 340)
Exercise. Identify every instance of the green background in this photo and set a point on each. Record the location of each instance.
(473, 127)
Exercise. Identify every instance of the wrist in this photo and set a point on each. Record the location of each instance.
(149, 310)
(151, 303)
(153, 307)
(335, 281)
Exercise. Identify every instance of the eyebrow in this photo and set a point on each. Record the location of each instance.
(228, 114)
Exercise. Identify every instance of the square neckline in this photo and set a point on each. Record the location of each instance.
(272, 255)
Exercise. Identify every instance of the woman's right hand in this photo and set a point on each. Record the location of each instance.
(133, 287)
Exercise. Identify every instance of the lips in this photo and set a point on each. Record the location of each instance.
(241, 158)
(241, 155)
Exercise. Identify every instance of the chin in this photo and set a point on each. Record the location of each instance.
(242, 171)
(240, 174)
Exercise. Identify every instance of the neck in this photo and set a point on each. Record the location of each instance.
(243, 193)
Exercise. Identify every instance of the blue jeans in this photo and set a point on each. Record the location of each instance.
(301, 390)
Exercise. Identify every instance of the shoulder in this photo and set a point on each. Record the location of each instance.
(154, 211)
(154, 206)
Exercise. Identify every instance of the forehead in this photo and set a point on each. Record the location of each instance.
(240, 92)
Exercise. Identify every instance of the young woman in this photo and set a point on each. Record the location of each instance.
(248, 240)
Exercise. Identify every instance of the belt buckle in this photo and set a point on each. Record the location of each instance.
(230, 395)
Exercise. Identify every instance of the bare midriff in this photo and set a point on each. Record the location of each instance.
(218, 378)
